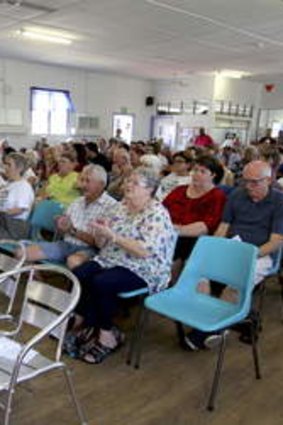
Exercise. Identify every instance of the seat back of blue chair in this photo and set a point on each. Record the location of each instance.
(43, 217)
(226, 261)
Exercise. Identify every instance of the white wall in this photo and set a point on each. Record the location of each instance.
(211, 88)
(242, 92)
(95, 94)
(194, 87)
(237, 90)
(101, 95)
(273, 100)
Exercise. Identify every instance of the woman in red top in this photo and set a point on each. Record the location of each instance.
(196, 209)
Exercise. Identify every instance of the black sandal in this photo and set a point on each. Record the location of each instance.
(84, 336)
(97, 353)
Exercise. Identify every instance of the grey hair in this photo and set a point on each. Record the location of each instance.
(97, 171)
(149, 177)
(19, 160)
(260, 166)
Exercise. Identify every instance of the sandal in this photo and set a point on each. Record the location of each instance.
(73, 342)
(97, 353)
(84, 336)
(70, 345)
(119, 335)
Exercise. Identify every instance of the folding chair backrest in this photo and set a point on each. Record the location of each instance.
(44, 305)
(43, 217)
(222, 260)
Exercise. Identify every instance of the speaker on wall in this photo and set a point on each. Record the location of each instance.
(149, 101)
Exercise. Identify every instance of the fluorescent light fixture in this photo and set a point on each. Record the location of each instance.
(46, 35)
(231, 73)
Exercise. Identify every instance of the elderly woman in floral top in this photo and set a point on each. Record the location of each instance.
(137, 244)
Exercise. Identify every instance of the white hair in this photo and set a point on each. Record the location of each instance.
(152, 162)
(97, 171)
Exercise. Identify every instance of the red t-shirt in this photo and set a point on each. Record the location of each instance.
(203, 140)
(207, 208)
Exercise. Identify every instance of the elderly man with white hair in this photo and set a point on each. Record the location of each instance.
(254, 213)
(78, 244)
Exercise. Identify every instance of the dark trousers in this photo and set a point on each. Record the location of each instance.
(184, 247)
(99, 302)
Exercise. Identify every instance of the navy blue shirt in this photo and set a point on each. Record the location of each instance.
(254, 221)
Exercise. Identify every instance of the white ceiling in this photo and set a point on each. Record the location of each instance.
(151, 38)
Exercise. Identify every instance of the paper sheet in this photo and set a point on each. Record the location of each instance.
(9, 349)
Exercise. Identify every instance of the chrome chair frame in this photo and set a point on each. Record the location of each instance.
(8, 263)
(47, 309)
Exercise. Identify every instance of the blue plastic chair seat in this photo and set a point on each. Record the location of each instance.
(207, 314)
(132, 294)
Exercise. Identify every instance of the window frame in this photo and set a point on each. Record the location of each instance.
(69, 110)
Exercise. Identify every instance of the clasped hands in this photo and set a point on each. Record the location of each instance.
(101, 230)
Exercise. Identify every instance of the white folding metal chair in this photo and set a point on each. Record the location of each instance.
(8, 286)
(46, 308)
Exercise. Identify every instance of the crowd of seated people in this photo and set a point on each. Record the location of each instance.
(133, 213)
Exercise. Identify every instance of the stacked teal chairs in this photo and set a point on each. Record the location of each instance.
(226, 261)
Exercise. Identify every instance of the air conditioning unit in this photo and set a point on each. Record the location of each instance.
(87, 124)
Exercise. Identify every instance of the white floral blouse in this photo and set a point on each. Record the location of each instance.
(154, 228)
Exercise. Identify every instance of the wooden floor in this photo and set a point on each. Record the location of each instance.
(172, 385)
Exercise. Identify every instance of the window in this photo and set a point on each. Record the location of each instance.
(50, 111)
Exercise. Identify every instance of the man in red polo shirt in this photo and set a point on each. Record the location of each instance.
(203, 140)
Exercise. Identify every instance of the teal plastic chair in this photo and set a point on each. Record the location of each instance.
(226, 261)
(139, 294)
(43, 218)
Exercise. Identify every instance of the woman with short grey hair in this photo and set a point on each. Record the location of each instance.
(16, 199)
(136, 247)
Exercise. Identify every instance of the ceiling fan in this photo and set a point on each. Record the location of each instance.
(26, 5)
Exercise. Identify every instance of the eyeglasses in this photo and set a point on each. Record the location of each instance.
(135, 182)
(253, 182)
(179, 161)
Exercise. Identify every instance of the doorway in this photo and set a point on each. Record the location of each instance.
(124, 123)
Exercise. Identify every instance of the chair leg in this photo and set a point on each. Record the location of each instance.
(134, 351)
(258, 298)
(180, 333)
(133, 339)
(70, 384)
(254, 335)
(8, 408)
(281, 285)
(217, 373)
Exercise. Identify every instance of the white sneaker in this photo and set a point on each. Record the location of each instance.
(213, 341)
